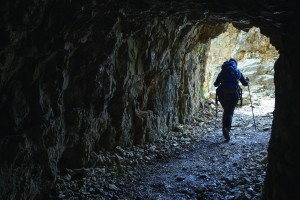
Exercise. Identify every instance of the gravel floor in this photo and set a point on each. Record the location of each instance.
(191, 162)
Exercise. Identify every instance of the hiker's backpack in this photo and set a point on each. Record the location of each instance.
(230, 77)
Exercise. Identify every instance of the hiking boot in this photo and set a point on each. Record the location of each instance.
(226, 134)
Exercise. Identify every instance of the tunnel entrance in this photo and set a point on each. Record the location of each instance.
(79, 77)
(256, 57)
(193, 161)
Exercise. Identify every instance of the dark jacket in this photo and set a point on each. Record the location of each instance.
(223, 92)
(240, 76)
(241, 79)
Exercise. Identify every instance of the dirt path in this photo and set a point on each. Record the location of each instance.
(198, 167)
(214, 169)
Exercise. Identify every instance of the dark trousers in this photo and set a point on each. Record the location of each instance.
(228, 103)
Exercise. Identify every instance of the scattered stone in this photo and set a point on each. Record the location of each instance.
(61, 196)
(113, 187)
(178, 179)
(209, 168)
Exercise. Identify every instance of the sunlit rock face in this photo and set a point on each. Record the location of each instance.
(252, 50)
(78, 76)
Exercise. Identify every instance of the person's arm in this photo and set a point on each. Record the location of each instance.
(218, 80)
(244, 81)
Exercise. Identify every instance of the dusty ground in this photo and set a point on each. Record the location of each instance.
(193, 162)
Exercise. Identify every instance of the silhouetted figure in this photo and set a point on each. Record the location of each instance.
(229, 92)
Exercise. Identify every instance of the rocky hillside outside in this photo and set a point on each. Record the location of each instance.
(255, 55)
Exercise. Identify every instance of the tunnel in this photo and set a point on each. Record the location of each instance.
(79, 76)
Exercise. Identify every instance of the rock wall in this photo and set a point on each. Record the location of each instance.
(90, 77)
(283, 175)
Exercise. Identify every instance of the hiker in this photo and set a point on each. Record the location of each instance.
(229, 92)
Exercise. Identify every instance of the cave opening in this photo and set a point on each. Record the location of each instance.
(87, 84)
(152, 71)
(256, 57)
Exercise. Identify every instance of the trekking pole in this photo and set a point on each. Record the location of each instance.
(252, 107)
(216, 101)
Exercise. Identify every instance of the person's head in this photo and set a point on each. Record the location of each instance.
(233, 62)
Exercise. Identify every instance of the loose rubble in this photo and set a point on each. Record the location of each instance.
(190, 162)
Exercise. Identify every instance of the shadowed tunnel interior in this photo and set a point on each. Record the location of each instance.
(81, 76)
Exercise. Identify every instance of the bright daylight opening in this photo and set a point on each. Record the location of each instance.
(256, 57)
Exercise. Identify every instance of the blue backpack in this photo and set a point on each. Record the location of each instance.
(230, 76)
